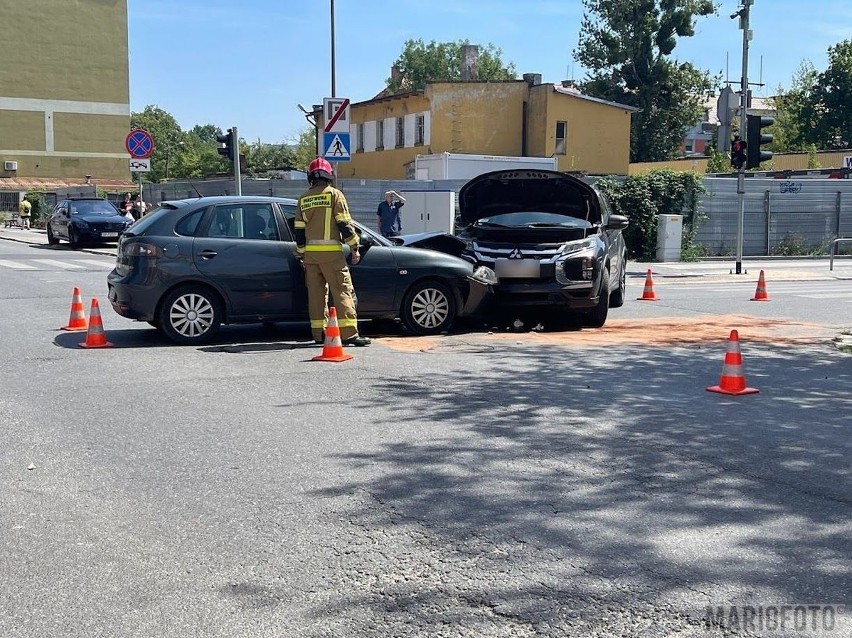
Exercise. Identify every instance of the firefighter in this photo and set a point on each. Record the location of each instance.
(322, 226)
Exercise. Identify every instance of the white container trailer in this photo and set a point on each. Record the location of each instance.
(464, 166)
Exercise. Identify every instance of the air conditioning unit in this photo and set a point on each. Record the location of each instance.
(10, 166)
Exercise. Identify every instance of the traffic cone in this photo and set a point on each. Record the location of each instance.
(732, 380)
(332, 349)
(648, 293)
(96, 337)
(78, 313)
(760, 294)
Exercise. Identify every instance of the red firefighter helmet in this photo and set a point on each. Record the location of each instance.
(321, 168)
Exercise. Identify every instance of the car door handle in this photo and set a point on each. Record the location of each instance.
(208, 254)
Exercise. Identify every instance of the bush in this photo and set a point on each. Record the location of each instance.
(643, 198)
(41, 209)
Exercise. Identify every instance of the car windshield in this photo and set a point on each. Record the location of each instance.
(532, 219)
(92, 207)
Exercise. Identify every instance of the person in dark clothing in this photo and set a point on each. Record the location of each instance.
(390, 222)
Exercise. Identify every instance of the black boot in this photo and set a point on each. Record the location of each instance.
(357, 340)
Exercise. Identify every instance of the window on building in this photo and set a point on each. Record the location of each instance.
(380, 135)
(400, 132)
(419, 130)
(561, 134)
(359, 132)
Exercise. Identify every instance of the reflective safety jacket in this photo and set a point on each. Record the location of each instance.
(323, 222)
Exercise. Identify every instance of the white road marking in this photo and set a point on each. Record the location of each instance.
(100, 264)
(65, 265)
(16, 265)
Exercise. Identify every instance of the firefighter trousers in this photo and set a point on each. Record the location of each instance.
(330, 268)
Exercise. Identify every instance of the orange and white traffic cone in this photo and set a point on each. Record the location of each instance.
(648, 293)
(760, 294)
(332, 349)
(732, 380)
(78, 313)
(96, 337)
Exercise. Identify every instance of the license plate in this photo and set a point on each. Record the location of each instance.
(109, 234)
(517, 268)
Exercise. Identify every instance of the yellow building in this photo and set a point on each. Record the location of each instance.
(64, 92)
(506, 118)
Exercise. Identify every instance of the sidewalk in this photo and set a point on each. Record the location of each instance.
(715, 269)
(724, 269)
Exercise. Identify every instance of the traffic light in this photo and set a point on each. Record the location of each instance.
(738, 153)
(229, 144)
(755, 138)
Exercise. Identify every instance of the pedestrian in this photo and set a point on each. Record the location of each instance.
(323, 225)
(390, 222)
(139, 206)
(127, 205)
(25, 211)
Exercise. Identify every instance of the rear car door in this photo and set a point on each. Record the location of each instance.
(239, 247)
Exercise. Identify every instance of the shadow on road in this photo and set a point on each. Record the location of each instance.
(560, 490)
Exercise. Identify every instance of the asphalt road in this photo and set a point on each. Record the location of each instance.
(518, 484)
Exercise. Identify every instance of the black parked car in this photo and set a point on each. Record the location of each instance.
(190, 265)
(550, 238)
(90, 220)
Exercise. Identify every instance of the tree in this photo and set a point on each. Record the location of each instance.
(261, 157)
(167, 135)
(832, 99)
(793, 111)
(626, 45)
(306, 149)
(420, 63)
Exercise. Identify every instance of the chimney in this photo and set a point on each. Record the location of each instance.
(469, 57)
(533, 79)
(396, 74)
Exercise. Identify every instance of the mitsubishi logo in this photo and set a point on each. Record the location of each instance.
(516, 254)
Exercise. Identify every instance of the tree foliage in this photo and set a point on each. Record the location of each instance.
(180, 154)
(626, 45)
(420, 63)
(817, 110)
(306, 148)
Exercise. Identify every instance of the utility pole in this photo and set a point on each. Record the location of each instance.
(743, 15)
(333, 92)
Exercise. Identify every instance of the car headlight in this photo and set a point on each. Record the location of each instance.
(574, 247)
(485, 274)
(79, 223)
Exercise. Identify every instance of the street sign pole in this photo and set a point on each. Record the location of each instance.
(744, 16)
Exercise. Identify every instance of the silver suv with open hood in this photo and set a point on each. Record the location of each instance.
(551, 239)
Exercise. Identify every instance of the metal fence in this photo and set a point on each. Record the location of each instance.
(363, 195)
(789, 216)
(781, 217)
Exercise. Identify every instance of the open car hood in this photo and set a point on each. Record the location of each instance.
(527, 190)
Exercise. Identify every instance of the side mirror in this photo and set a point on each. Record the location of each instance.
(367, 240)
(617, 222)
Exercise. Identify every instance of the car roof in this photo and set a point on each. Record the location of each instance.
(226, 199)
(80, 198)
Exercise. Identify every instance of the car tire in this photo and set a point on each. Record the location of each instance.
(190, 315)
(616, 299)
(73, 238)
(597, 318)
(429, 308)
(50, 238)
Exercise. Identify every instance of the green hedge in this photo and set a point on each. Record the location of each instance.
(643, 198)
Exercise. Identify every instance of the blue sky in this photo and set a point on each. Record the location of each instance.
(251, 63)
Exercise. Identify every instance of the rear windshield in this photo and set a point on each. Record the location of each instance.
(92, 207)
(140, 226)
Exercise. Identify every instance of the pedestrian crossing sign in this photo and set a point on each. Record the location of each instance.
(336, 147)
